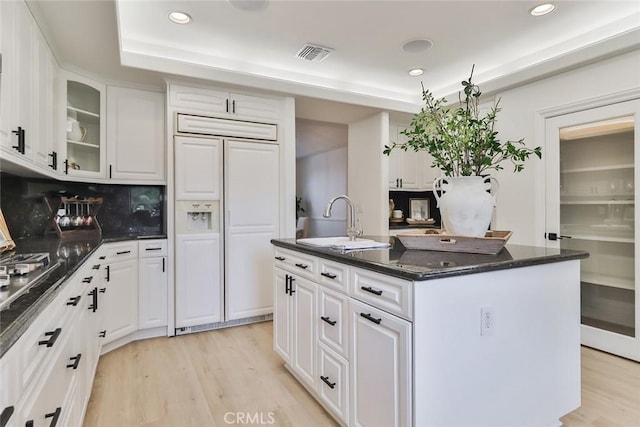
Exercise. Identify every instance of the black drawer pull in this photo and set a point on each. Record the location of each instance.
(327, 382)
(123, 252)
(53, 336)
(102, 257)
(87, 279)
(329, 275)
(6, 414)
(103, 334)
(54, 415)
(279, 258)
(153, 249)
(75, 360)
(328, 320)
(108, 273)
(74, 301)
(96, 267)
(371, 290)
(302, 266)
(103, 290)
(369, 317)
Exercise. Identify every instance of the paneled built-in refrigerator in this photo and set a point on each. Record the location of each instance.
(226, 213)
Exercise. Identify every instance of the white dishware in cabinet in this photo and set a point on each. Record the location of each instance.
(83, 127)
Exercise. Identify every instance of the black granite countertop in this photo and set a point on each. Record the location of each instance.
(420, 265)
(17, 317)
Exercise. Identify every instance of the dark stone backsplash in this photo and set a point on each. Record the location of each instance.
(127, 209)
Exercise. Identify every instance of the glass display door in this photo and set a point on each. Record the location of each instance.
(592, 188)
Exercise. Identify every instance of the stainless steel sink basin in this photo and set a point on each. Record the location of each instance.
(342, 242)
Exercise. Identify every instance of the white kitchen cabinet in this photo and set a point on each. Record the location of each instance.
(251, 217)
(356, 358)
(333, 387)
(380, 368)
(52, 374)
(303, 296)
(282, 315)
(90, 326)
(49, 401)
(152, 282)
(135, 135)
(333, 328)
(121, 290)
(403, 165)
(10, 391)
(409, 170)
(198, 168)
(295, 323)
(224, 103)
(45, 144)
(83, 126)
(28, 81)
(592, 188)
(198, 298)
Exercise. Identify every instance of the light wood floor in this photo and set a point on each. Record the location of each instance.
(198, 379)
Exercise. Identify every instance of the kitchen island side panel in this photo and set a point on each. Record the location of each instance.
(523, 368)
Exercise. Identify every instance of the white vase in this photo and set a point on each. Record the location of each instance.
(465, 206)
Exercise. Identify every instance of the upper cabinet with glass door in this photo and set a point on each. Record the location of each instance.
(84, 126)
(592, 185)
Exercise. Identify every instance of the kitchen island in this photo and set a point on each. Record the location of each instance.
(398, 337)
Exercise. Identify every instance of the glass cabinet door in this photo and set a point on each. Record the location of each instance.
(84, 126)
(595, 180)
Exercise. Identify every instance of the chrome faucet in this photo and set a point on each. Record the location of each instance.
(353, 230)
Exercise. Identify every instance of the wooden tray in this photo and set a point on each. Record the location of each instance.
(439, 240)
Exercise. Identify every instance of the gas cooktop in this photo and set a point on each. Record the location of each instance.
(19, 272)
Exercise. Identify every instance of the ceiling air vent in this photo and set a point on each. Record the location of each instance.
(315, 53)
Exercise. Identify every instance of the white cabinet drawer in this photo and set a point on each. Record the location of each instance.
(48, 400)
(52, 327)
(387, 293)
(333, 387)
(152, 248)
(334, 275)
(333, 318)
(120, 251)
(297, 263)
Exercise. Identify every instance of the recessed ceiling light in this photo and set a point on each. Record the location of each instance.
(179, 17)
(414, 72)
(543, 9)
(416, 46)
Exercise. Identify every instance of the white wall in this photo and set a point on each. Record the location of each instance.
(320, 177)
(368, 172)
(521, 198)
